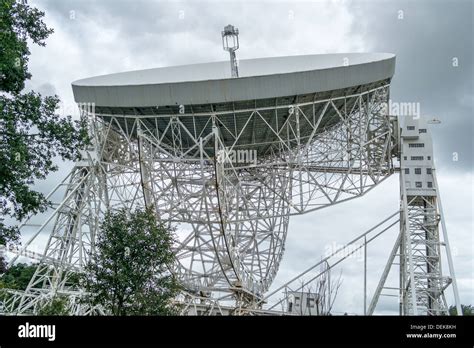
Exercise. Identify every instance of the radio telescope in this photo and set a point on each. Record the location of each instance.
(227, 156)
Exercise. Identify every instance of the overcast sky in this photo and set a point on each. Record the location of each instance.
(434, 48)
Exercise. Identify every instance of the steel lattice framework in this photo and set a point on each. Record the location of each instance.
(422, 282)
(232, 215)
(422, 256)
(230, 167)
(419, 245)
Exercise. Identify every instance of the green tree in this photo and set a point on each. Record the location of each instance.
(128, 274)
(17, 276)
(3, 264)
(31, 133)
(56, 306)
(466, 310)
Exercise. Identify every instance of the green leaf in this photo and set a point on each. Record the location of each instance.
(128, 274)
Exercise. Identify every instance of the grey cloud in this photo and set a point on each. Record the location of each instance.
(426, 40)
(46, 89)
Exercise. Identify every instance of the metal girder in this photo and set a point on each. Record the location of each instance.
(422, 283)
(232, 212)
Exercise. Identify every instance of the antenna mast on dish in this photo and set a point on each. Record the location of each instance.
(230, 42)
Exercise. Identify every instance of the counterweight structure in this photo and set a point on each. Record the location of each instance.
(420, 246)
(228, 161)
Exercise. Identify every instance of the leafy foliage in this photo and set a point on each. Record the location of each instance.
(3, 263)
(17, 276)
(18, 21)
(128, 274)
(56, 306)
(31, 133)
(466, 310)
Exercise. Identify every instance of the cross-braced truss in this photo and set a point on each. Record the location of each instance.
(228, 180)
(422, 284)
(421, 259)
